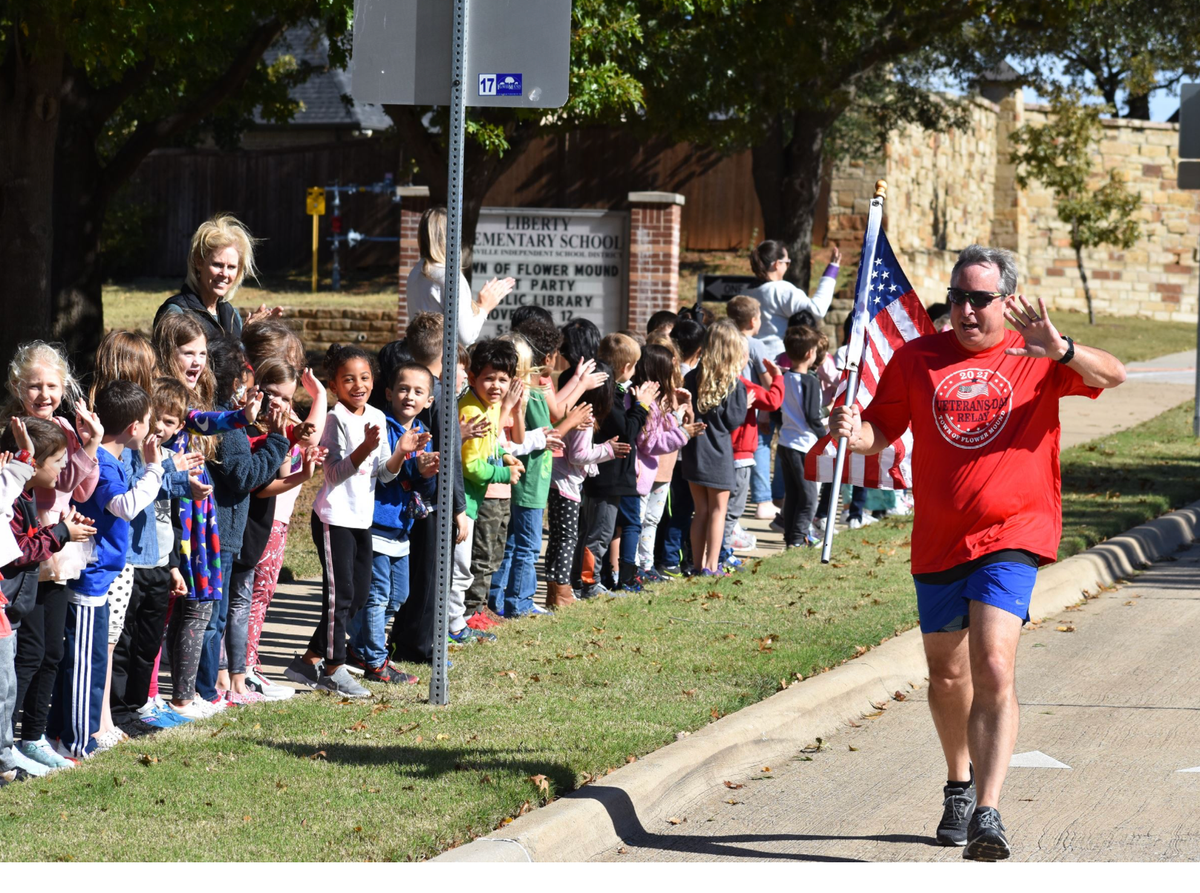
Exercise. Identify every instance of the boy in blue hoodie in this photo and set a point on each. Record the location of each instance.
(397, 505)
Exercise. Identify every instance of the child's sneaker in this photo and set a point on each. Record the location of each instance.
(593, 590)
(272, 691)
(705, 572)
(303, 673)
(244, 699)
(196, 709)
(161, 717)
(777, 526)
(16, 759)
(354, 662)
(339, 682)
(741, 540)
(670, 571)
(538, 611)
(389, 674)
(469, 636)
(650, 575)
(42, 751)
(480, 621)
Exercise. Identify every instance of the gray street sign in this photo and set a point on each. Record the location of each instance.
(520, 52)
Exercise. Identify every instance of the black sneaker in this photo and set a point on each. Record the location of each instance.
(388, 673)
(986, 841)
(136, 728)
(959, 805)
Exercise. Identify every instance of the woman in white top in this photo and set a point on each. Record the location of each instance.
(427, 281)
(779, 299)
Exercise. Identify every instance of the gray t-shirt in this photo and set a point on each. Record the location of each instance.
(754, 367)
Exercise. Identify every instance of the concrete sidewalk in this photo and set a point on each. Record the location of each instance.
(1108, 765)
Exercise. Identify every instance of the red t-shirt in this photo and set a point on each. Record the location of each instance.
(985, 446)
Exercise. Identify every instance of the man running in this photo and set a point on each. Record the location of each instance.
(983, 405)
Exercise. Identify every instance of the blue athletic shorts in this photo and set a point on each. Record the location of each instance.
(946, 607)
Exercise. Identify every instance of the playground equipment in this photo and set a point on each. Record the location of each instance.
(315, 206)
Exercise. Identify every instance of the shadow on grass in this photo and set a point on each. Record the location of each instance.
(416, 762)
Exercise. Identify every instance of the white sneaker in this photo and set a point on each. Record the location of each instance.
(17, 760)
(194, 710)
(269, 690)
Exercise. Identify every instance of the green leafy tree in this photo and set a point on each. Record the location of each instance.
(1133, 48)
(88, 88)
(783, 78)
(1060, 156)
(604, 89)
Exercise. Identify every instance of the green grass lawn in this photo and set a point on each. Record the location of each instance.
(556, 702)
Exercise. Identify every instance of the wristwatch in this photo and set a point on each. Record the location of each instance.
(1070, 354)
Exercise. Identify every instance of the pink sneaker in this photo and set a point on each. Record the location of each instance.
(242, 700)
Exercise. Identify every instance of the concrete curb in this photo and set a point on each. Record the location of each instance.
(603, 814)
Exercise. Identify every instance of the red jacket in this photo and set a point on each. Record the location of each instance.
(745, 438)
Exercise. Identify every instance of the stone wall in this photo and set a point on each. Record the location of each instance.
(321, 327)
(948, 190)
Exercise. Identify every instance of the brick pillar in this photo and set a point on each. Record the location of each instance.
(413, 202)
(654, 226)
(1010, 216)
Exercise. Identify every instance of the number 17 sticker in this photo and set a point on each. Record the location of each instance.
(500, 84)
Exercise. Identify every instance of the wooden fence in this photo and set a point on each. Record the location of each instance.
(594, 168)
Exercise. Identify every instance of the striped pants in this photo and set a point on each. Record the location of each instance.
(79, 688)
(345, 555)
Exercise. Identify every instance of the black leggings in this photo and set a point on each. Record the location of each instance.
(39, 652)
(185, 642)
(564, 537)
(140, 641)
(345, 555)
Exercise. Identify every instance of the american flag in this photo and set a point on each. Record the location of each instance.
(894, 315)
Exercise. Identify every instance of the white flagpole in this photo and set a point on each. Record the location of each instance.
(854, 353)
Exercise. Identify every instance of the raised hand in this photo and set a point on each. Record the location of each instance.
(1042, 340)
(516, 392)
(5, 458)
(21, 435)
(311, 383)
(493, 293)
(277, 419)
(476, 427)
(412, 440)
(835, 256)
(750, 398)
(79, 526)
(580, 416)
(150, 449)
(263, 312)
(694, 428)
(88, 424)
(428, 464)
(620, 450)
(199, 488)
(313, 457)
(772, 369)
(254, 401)
(189, 462)
(647, 392)
(554, 440)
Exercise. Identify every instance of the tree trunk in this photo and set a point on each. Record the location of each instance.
(1087, 292)
(29, 118)
(787, 181)
(80, 200)
(1139, 107)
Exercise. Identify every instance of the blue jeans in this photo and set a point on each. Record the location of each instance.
(368, 629)
(210, 656)
(629, 519)
(760, 482)
(515, 581)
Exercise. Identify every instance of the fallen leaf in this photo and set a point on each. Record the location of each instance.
(541, 783)
(766, 768)
(674, 820)
(509, 673)
(147, 760)
(443, 737)
(280, 786)
(733, 802)
(1067, 628)
(853, 748)
(357, 727)
(621, 851)
(486, 779)
(880, 705)
(688, 692)
(853, 724)
(245, 818)
(319, 755)
(631, 759)
(900, 696)
(734, 787)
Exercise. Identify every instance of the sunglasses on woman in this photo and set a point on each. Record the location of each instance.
(978, 299)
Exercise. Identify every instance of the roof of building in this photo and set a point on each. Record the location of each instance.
(321, 95)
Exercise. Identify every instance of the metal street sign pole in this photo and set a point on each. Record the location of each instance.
(1189, 178)
(438, 689)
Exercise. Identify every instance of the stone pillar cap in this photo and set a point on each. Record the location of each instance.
(412, 191)
(656, 198)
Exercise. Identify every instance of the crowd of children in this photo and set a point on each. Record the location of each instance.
(146, 521)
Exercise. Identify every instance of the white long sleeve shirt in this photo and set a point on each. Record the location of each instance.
(424, 295)
(347, 494)
(780, 300)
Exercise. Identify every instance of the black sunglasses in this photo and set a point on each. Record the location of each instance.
(978, 299)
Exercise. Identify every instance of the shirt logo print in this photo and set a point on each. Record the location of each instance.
(972, 406)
